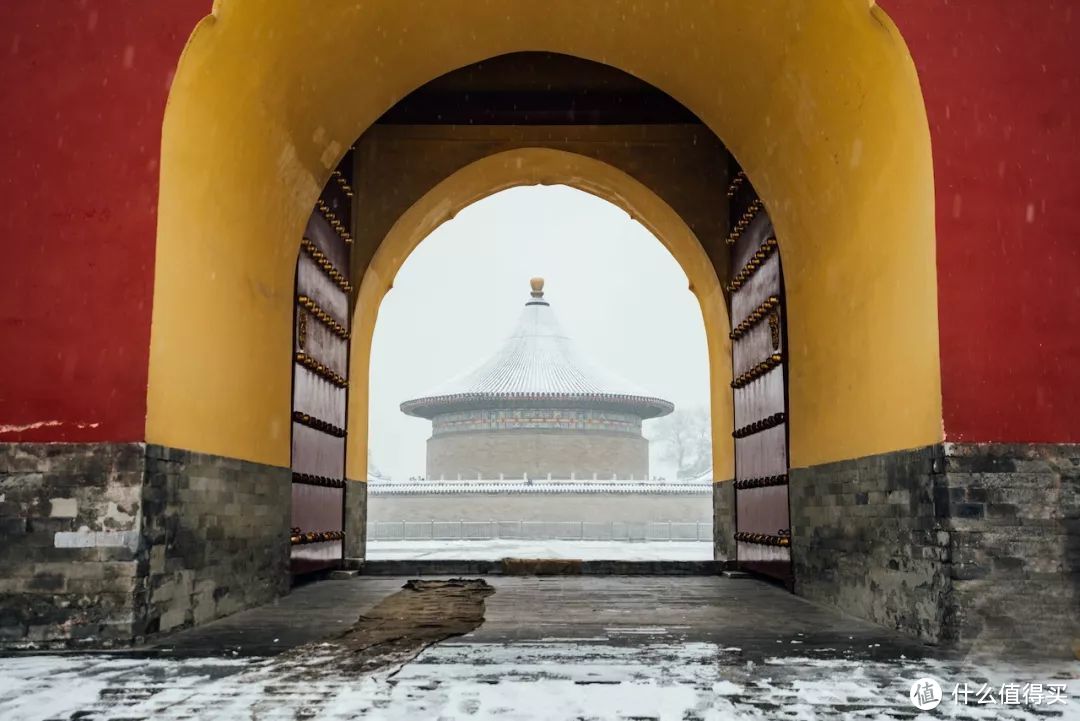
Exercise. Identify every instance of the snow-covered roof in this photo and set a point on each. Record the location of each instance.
(423, 488)
(537, 363)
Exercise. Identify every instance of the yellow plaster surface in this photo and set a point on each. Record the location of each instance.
(818, 101)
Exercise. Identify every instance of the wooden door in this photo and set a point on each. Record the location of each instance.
(320, 379)
(759, 359)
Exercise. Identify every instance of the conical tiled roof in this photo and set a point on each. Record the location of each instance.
(537, 365)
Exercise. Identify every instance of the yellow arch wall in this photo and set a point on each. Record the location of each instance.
(533, 166)
(819, 101)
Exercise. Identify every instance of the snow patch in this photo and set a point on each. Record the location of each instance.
(44, 424)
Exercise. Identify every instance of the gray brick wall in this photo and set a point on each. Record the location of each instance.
(104, 543)
(1014, 515)
(70, 520)
(971, 545)
(537, 453)
(866, 539)
(215, 535)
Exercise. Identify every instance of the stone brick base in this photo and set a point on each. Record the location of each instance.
(356, 516)
(724, 521)
(866, 539)
(971, 545)
(71, 524)
(106, 543)
(1013, 513)
(215, 534)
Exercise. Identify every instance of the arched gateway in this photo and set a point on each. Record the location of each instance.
(745, 136)
(733, 176)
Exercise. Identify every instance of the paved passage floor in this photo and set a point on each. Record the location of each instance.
(549, 648)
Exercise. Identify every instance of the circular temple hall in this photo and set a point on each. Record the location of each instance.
(537, 410)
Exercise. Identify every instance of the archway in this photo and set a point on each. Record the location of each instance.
(543, 166)
(576, 478)
(819, 104)
(858, 248)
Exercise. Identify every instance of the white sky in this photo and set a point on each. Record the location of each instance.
(615, 289)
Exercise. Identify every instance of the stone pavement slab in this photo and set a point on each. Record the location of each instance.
(718, 609)
(549, 648)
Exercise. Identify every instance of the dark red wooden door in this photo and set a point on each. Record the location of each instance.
(759, 358)
(320, 379)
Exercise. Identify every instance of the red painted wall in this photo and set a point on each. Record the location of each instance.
(84, 84)
(1001, 80)
(83, 93)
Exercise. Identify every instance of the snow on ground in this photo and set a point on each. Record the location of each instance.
(508, 548)
(544, 679)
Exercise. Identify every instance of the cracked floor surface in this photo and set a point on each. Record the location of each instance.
(548, 648)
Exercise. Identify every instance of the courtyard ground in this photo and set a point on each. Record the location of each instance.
(547, 648)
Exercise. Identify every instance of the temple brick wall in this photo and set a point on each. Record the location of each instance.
(537, 454)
